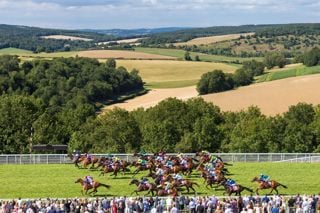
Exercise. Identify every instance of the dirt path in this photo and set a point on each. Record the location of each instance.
(155, 96)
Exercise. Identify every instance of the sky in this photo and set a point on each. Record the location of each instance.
(129, 14)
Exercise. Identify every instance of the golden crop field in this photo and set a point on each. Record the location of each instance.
(122, 54)
(165, 73)
(211, 39)
(272, 97)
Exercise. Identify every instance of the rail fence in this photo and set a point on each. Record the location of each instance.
(227, 157)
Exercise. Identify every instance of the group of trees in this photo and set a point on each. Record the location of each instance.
(312, 57)
(218, 81)
(178, 126)
(55, 97)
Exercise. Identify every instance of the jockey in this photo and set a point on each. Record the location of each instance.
(77, 153)
(115, 159)
(144, 181)
(178, 177)
(142, 162)
(212, 174)
(159, 171)
(88, 180)
(169, 164)
(142, 153)
(205, 152)
(209, 167)
(88, 156)
(264, 178)
(231, 182)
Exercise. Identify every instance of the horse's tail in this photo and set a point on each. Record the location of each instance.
(248, 189)
(105, 185)
(282, 185)
(227, 164)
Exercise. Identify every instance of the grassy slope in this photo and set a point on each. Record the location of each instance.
(299, 71)
(14, 51)
(204, 57)
(40, 181)
(172, 74)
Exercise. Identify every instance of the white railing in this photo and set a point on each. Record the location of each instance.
(227, 157)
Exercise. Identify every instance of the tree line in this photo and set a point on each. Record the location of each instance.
(178, 126)
(55, 97)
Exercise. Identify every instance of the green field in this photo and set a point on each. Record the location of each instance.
(172, 73)
(299, 71)
(13, 51)
(57, 181)
(203, 57)
(26, 54)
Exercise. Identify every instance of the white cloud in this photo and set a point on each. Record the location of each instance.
(153, 13)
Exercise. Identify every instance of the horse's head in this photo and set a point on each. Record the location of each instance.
(79, 180)
(255, 179)
(133, 181)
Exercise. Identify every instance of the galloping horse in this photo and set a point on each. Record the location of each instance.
(163, 192)
(150, 187)
(237, 189)
(179, 184)
(267, 185)
(150, 166)
(94, 186)
(86, 162)
(108, 168)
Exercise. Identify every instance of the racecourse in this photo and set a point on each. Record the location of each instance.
(57, 181)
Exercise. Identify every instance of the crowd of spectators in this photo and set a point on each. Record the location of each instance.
(206, 204)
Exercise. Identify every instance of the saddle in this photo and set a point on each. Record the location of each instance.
(234, 188)
(266, 184)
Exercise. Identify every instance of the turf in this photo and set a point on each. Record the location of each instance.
(203, 57)
(172, 74)
(299, 71)
(57, 181)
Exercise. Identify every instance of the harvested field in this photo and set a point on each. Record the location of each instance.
(271, 97)
(154, 97)
(63, 37)
(121, 54)
(211, 39)
(181, 73)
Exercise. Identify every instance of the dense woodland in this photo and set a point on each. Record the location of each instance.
(55, 97)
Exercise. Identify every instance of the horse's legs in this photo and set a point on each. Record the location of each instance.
(257, 191)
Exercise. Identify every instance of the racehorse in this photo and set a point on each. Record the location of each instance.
(150, 166)
(237, 189)
(111, 168)
(179, 184)
(150, 187)
(172, 191)
(94, 186)
(86, 162)
(267, 185)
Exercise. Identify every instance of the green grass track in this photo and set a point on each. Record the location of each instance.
(57, 181)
